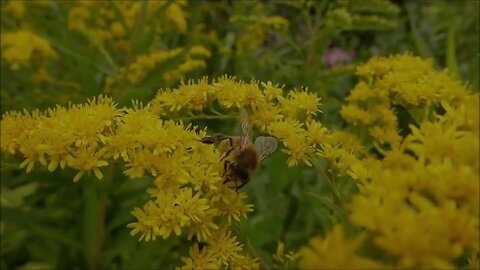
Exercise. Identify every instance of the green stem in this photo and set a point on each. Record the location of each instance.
(97, 250)
(337, 210)
(332, 185)
(310, 43)
(252, 249)
(101, 48)
(214, 111)
(100, 232)
(10, 166)
(107, 56)
(293, 45)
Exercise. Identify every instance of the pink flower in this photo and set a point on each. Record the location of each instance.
(336, 56)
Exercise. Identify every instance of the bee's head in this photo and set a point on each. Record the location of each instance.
(239, 170)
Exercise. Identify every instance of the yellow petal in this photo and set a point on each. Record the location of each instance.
(30, 166)
(98, 173)
(78, 176)
(101, 163)
(53, 165)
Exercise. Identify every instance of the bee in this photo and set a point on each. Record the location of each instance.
(240, 156)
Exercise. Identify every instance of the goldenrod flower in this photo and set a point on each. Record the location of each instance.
(285, 260)
(222, 250)
(435, 141)
(317, 134)
(87, 158)
(16, 8)
(299, 149)
(229, 93)
(117, 29)
(15, 129)
(300, 105)
(272, 91)
(265, 114)
(234, 207)
(20, 48)
(77, 17)
(286, 129)
(267, 108)
(199, 259)
(175, 14)
(418, 198)
(356, 115)
(199, 50)
(42, 76)
(335, 250)
(253, 95)
(225, 247)
(182, 165)
(246, 262)
(277, 22)
(389, 81)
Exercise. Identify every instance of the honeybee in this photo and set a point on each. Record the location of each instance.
(240, 155)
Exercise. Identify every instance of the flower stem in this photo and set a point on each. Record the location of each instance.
(332, 185)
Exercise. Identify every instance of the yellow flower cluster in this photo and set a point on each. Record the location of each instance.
(282, 260)
(23, 47)
(194, 60)
(290, 118)
(390, 82)
(16, 8)
(137, 71)
(351, 14)
(335, 251)
(255, 29)
(188, 193)
(73, 136)
(222, 251)
(99, 19)
(418, 199)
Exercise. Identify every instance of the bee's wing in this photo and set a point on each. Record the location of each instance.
(265, 146)
(245, 127)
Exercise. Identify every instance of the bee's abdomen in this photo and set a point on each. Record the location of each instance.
(248, 158)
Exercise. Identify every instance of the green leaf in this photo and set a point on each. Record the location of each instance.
(143, 42)
(418, 40)
(120, 17)
(90, 221)
(15, 197)
(29, 221)
(77, 54)
(134, 93)
(280, 176)
(339, 212)
(35, 266)
(451, 58)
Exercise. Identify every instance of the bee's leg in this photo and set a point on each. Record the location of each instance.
(229, 179)
(244, 182)
(226, 180)
(214, 139)
(218, 139)
(229, 150)
(237, 187)
(225, 167)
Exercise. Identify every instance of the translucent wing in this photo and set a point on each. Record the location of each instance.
(245, 127)
(265, 146)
